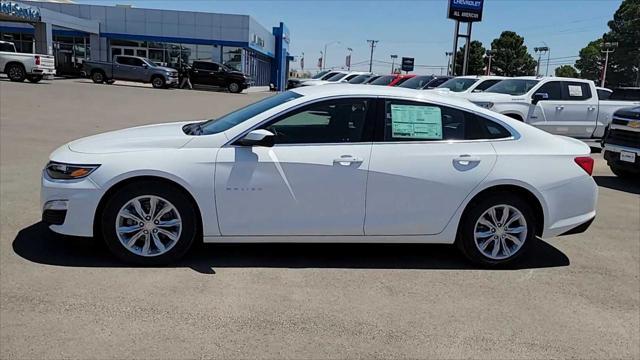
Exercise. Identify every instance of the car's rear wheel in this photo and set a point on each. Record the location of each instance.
(97, 77)
(149, 223)
(497, 230)
(16, 72)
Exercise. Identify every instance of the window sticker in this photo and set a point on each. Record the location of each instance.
(416, 122)
(575, 90)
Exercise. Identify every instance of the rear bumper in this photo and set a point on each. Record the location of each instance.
(47, 73)
(570, 205)
(580, 228)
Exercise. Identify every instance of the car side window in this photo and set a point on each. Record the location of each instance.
(485, 85)
(332, 121)
(123, 60)
(136, 62)
(575, 91)
(416, 121)
(553, 89)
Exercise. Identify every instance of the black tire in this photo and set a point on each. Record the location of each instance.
(172, 194)
(34, 78)
(98, 77)
(234, 87)
(466, 239)
(622, 173)
(158, 82)
(16, 72)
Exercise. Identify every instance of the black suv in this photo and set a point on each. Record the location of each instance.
(211, 73)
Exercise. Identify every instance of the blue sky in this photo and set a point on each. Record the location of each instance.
(416, 29)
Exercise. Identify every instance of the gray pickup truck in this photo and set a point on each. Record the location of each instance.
(131, 68)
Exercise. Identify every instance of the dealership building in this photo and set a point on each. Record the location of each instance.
(76, 32)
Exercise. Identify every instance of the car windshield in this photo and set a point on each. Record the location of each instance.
(230, 120)
(417, 82)
(513, 86)
(336, 77)
(458, 84)
(320, 74)
(383, 80)
(360, 79)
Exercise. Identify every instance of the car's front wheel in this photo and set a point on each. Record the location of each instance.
(234, 87)
(158, 82)
(149, 223)
(497, 230)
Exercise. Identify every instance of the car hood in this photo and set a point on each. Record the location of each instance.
(164, 68)
(150, 137)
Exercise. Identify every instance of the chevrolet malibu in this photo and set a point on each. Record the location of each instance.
(330, 164)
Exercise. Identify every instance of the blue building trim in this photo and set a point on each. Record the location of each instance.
(280, 66)
(261, 50)
(170, 39)
(30, 30)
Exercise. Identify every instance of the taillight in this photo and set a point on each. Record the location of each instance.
(37, 60)
(586, 163)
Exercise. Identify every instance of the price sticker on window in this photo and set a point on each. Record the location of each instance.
(416, 122)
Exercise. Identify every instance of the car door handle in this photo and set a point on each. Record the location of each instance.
(591, 108)
(559, 107)
(347, 160)
(466, 160)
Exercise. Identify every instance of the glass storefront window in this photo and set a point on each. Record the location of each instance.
(232, 57)
(204, 53)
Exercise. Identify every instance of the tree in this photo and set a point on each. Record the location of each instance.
(511, 57)
(567, 71)
(589, 63)
(475, 66)
(624, 63)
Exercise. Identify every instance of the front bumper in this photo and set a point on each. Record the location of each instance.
(612, 156)
(81, 199)
(172, 80)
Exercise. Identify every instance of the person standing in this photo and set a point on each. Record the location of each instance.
(185, 73)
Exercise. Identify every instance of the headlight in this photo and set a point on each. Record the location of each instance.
(486, 105)
(61, 171)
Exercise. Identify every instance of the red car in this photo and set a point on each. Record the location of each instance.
(391, 80)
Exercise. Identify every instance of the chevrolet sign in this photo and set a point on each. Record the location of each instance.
(466, 10)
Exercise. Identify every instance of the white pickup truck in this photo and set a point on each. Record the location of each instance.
(20, 66)
(562, 106)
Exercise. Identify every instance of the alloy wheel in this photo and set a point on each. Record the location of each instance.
(500, 232)
(148, 225)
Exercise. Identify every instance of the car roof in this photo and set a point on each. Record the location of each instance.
(332, 90)
(482, 77)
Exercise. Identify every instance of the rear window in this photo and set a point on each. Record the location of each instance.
(336, 77)
(359, 79)
(7, 47)
(416, 121)
(383, 80)
(417, 82)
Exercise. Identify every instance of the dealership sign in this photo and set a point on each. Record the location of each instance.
(407, 64)
(20, 11)
(466, 10)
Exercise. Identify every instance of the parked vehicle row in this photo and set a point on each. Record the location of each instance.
(621, 143)
(21, 66)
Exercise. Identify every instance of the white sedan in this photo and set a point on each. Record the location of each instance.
(325, 164)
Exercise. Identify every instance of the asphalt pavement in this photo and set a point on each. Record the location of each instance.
(574, 297)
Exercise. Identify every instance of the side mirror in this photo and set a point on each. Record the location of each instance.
(260, 137)
(539, 97)
(145, 66)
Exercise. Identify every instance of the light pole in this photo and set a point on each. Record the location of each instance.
(449, 54)
(490, 55)
(324, 54)
(540, 51)
(373, 45)
(393, 62)
(608, 48)
(546, 73)
(349, 62)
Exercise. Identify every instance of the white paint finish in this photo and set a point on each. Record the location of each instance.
(292, 189)
(415, 188)
(301, 190)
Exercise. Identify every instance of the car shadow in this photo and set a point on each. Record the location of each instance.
(38, 244)
(616, 183)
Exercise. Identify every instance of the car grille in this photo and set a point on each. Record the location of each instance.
(623, 138)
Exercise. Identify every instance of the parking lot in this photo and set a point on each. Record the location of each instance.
(576, 296)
